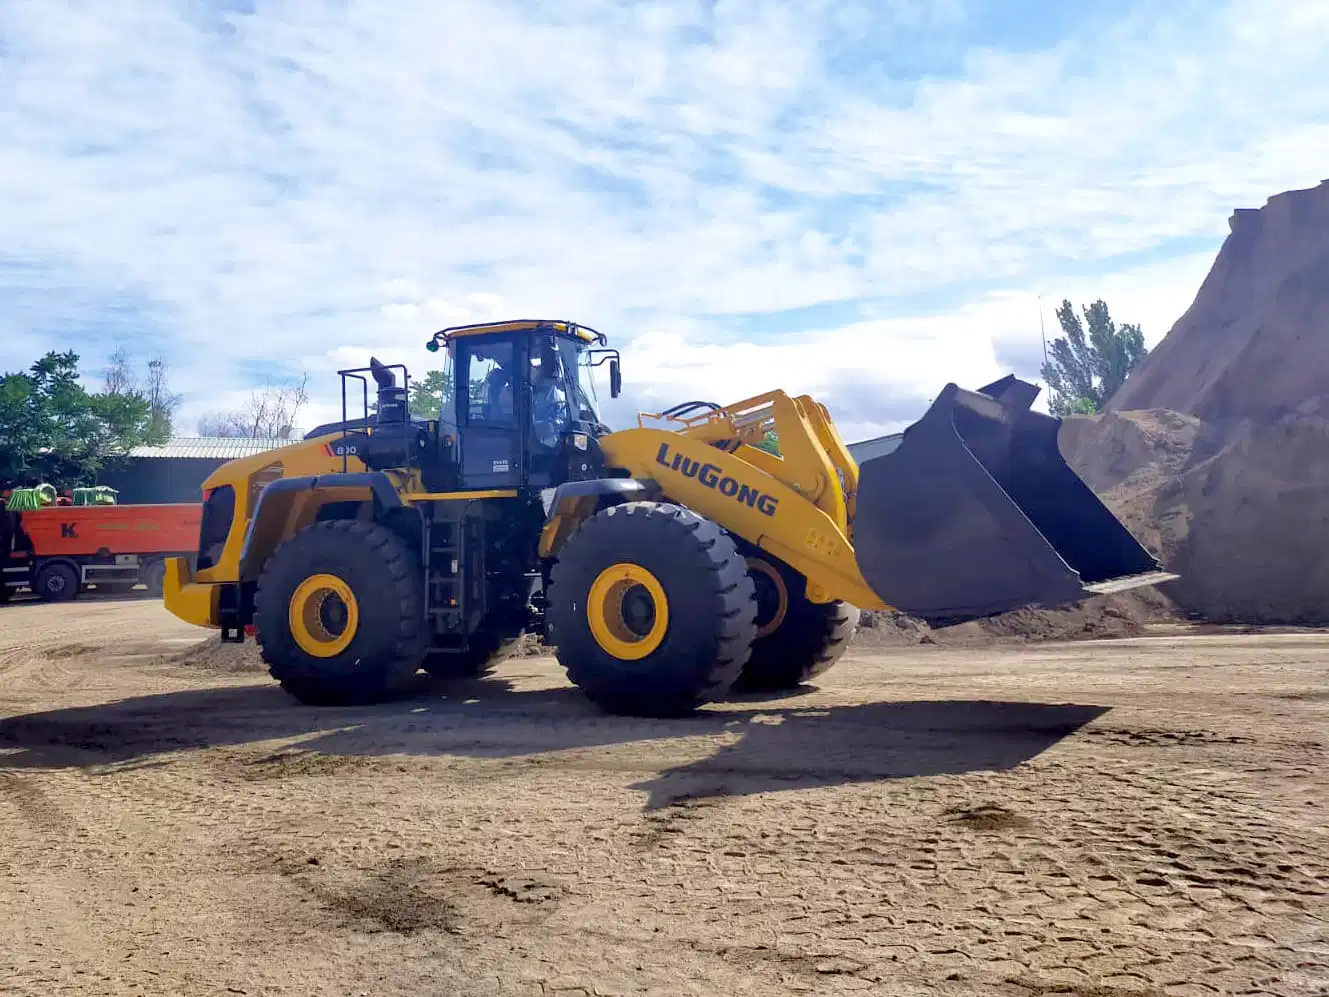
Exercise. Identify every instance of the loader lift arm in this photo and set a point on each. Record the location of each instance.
(797, 506)
(814, 460)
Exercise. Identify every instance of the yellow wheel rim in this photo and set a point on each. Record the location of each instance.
(761, 566)
(628, 611)
(323, 615)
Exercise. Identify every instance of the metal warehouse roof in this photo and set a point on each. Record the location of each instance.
(210, 447)
(876, 447)
(229, 448)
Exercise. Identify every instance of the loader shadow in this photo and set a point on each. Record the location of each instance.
(803, 748)
(781, 744)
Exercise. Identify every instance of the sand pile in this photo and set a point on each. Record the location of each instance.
(1098, 618)
(1252, 345)
(1239, 510)
(210, 654)
(1134, 462)
(1216, 450)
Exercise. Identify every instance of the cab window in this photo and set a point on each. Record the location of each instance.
(550, 415)
(487, 371)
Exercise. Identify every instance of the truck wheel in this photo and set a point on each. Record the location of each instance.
(651, 609)
(339, 612)
(153, 576)
(6, 593)
(57, 582)
(797, 640)
(487, 650)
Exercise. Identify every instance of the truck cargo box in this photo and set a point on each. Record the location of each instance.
(86, 530)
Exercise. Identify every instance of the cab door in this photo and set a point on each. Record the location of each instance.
(491, 412)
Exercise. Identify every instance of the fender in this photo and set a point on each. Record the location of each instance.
(570, 503)
(289, 504)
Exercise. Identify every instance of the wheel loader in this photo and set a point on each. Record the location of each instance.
(666, 564)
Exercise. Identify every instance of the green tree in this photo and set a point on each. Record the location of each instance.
(1091, 361)
(426, 396)
(770, 443)
(54, 430)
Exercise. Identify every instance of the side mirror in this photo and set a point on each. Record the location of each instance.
(615, 379)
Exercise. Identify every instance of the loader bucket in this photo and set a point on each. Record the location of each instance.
(975, 513)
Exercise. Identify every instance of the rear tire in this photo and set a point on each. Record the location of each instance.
(339, 614)
(486, 650)
(651, 610)
(57, 582)
(798, 640)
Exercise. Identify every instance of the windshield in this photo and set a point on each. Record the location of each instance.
(577, 363)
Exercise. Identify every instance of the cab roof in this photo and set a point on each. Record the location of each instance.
(557, 326)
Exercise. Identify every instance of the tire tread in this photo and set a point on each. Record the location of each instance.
(821, 633)
(733, 608)
(410, 638)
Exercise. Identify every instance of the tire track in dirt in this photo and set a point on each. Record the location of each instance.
(26, 802)
(962, 901)
(901, 830)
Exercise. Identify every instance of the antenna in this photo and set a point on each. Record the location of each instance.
(1041, 331)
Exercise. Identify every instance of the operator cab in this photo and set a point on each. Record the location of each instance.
(518, 403)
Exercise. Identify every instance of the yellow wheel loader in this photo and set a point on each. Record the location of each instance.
(666, 564)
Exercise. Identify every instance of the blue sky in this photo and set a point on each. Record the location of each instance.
(858, 200)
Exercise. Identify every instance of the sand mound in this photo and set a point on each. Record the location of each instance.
(1258, 545)
(1098, 618)
(1224, 474)
(531, 646)
(1251, 346)
(212, 655)
(1134, 462)
(1239, 511)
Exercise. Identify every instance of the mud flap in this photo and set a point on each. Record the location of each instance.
(975, 513)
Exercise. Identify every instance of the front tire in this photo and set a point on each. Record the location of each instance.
(651, 610)
(797, 640)
(57, 581)
(339, 614)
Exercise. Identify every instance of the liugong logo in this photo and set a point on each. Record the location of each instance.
(713, 477)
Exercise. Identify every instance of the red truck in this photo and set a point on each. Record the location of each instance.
(58, 550)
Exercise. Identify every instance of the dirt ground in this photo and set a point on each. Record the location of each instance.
(1102, 819)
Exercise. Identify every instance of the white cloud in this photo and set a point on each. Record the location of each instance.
(878, 376)
(293, 189)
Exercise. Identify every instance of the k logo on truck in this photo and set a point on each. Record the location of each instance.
(713, 477)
